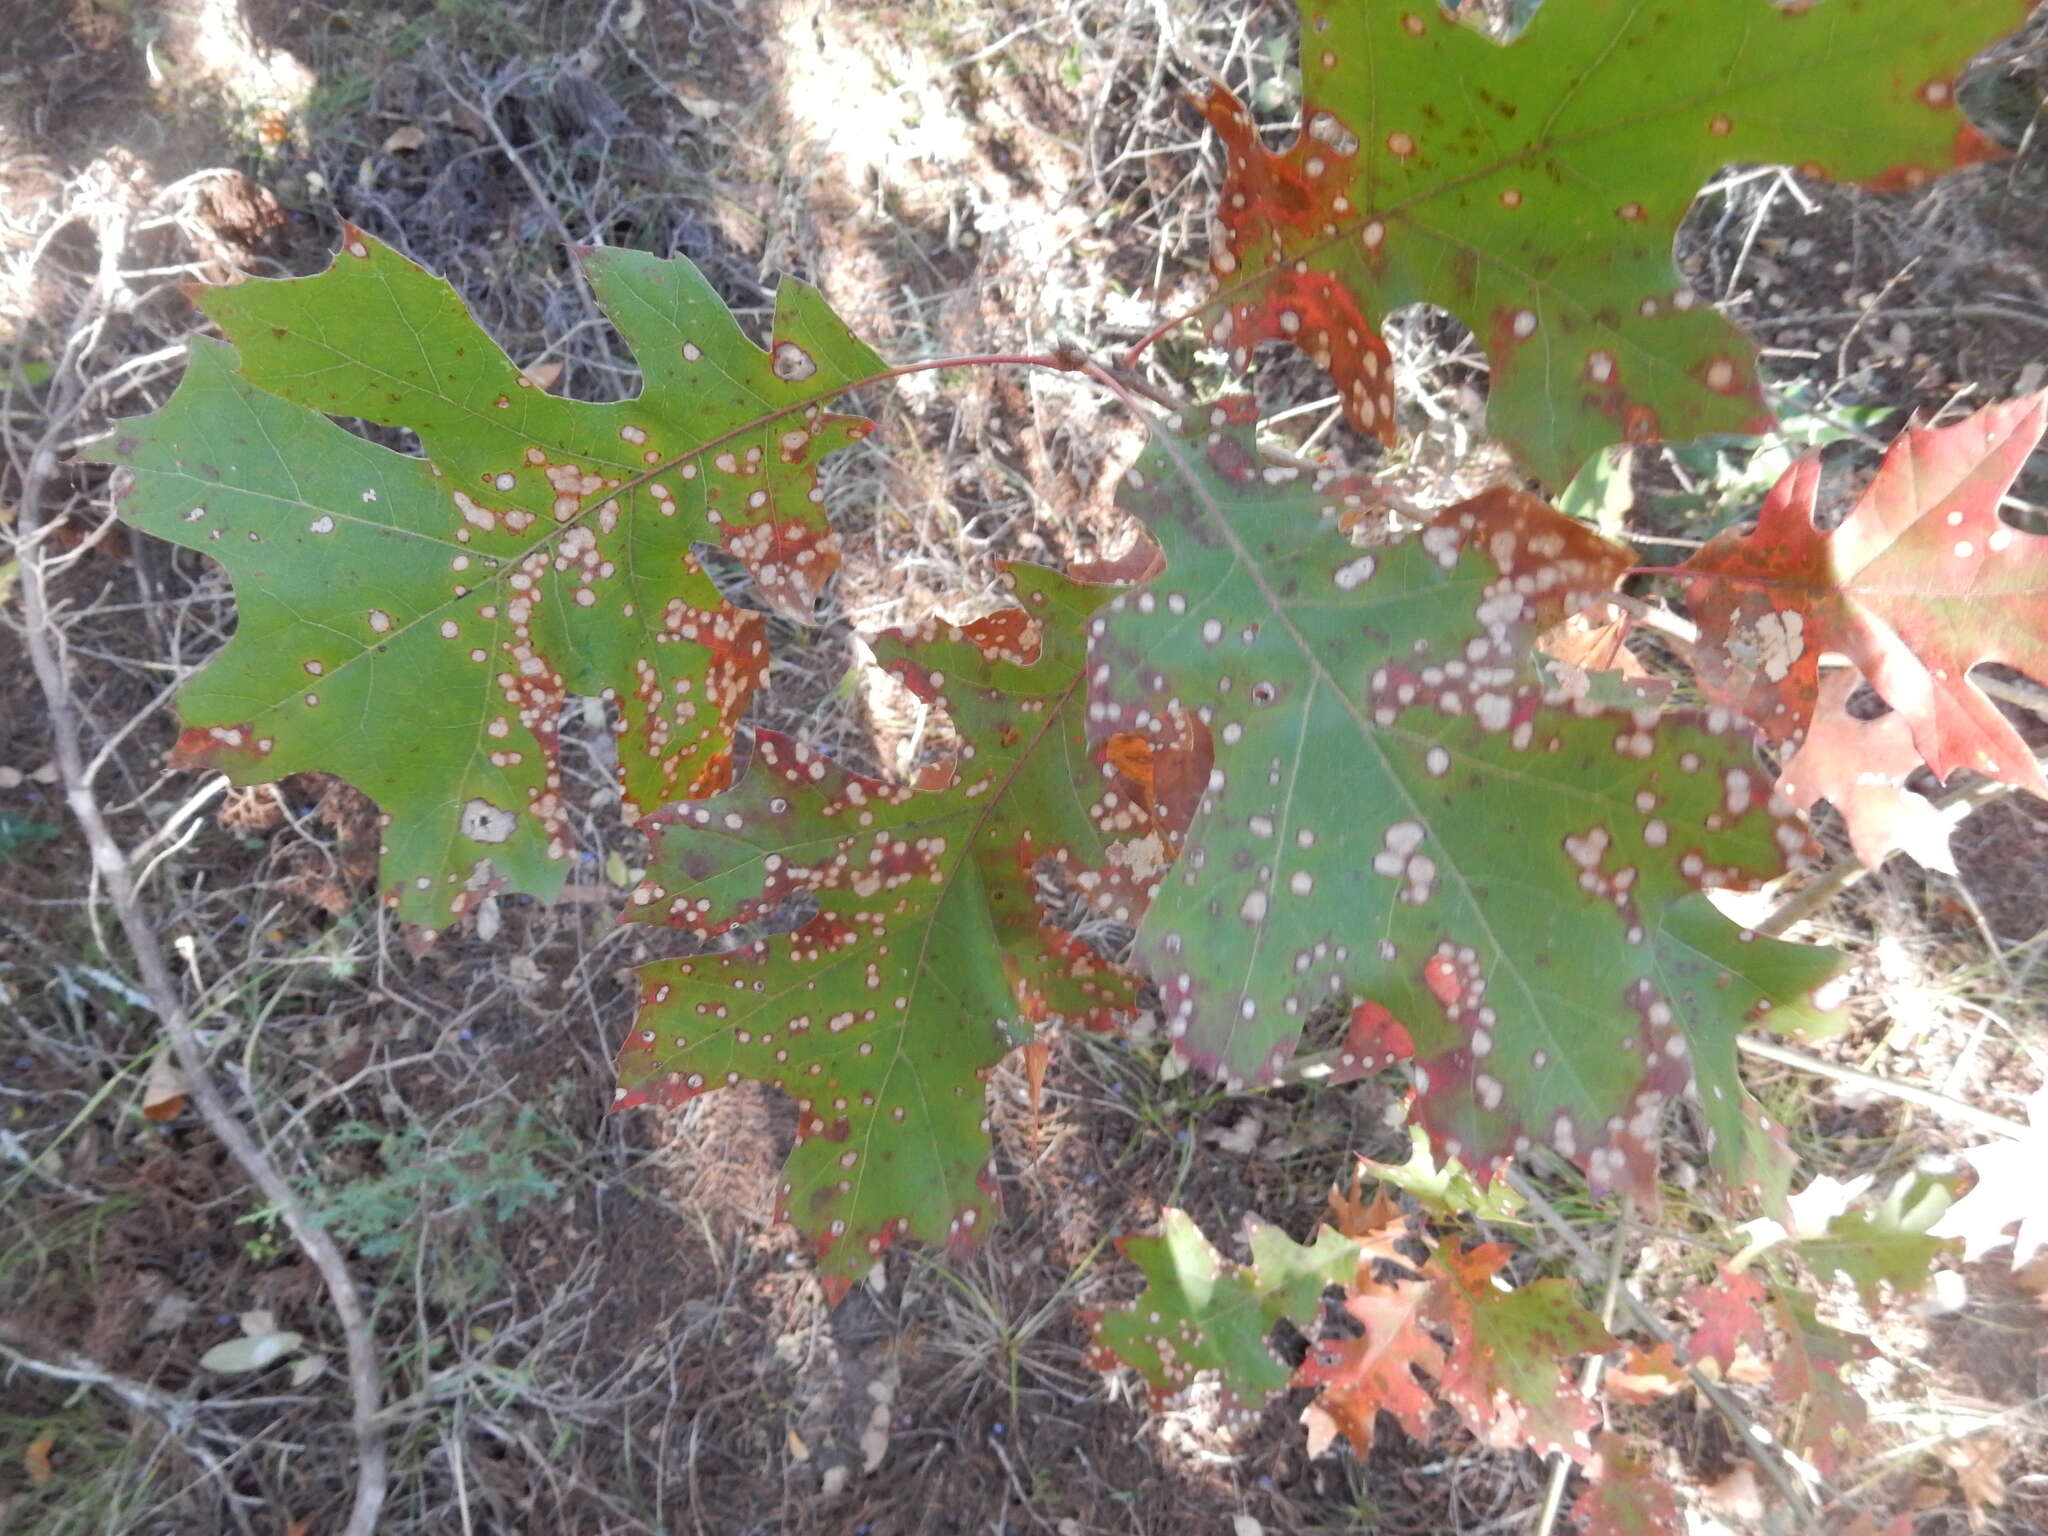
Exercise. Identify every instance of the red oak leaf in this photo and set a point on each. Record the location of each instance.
(1506, 1371)
(1921, 582)
(1860, 767)
(1731, 1313)
(1508, 1374)
(1376, 1370)
(1625, 1495)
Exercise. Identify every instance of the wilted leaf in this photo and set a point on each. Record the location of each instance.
(251, 1352)
(1979, 1466)
(164, 1090)
(1645, 1375)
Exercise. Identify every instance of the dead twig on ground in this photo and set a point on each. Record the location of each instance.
(116, 871)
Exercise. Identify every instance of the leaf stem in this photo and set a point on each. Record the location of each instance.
(1144, 343)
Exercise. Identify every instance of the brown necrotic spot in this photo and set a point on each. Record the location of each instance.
(792, 363)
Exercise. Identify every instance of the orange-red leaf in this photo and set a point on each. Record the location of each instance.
(1506, 1371)
(1860, 767)
(1624, 1495)
(1731, 1313)
(1377, 1370)
(1922, 581)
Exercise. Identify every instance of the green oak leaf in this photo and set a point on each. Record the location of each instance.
(1199, 1312)
(1533, 190)
(1506, 1372)
(919, 959)
(1888, 1245)
(1403, 808)
(415, 624)
(1446, 1190)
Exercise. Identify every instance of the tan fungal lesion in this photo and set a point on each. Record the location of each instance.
(792, 364)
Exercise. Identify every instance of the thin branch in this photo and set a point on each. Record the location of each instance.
(112, 865)
(1589, 1379)
(1907, 1093)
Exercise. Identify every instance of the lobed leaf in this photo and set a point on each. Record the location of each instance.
(2008, 1202)
(1504, 1371)
(1891, 1245)
(1507, 1372)
(415, 625)
(1922, 581)
(1533, 191)
(1383, 1368)
(1625, 1494)
(1807, 1376)
(1732, 1315)
(1860, 767)
(1449, 1190)
(1405, 810)
(1199, 1312)
(918, 958)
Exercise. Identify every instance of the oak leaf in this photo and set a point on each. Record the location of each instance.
(1732, 1317)
(888, 945)
(1895, 1244)
(1625, 1494)
(1377, 1369)
(1199, 1312)
(1806, 1377)
(1534, 191)
(415, 625)
(1921, 582)
(2009, 1201)
(1504, 1371)
(1404, 810)
(1860, 767)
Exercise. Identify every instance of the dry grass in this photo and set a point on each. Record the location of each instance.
(588, 1323)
